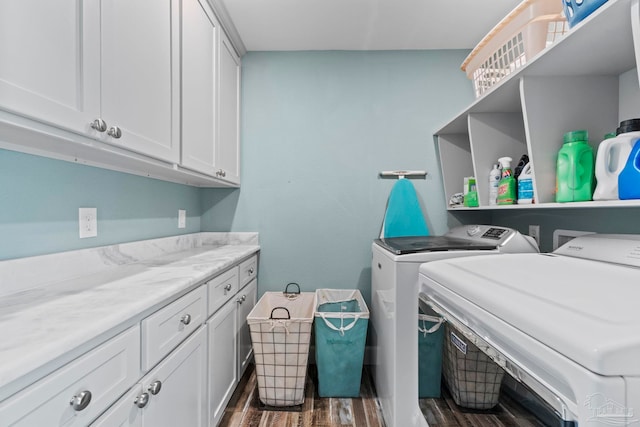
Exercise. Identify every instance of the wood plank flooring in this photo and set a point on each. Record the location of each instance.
(244, 409)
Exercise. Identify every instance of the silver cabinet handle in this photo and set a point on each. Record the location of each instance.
(251, 270)
(81, 400)
(115, 132)
(99, 125)
(228, 287)
(224, 173)
(242, 299)
(142, 400)
(186, 319)
(154, 387)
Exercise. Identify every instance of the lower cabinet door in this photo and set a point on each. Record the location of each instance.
(124, 413)
(177, 386)
(173, 394)
(222, 359)
(247, 300)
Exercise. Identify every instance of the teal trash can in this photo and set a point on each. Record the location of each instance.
(341, 321)
(430, 340)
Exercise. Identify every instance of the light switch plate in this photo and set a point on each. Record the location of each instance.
(182, 218)
(88, 222)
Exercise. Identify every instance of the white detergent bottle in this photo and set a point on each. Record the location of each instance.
(525, 185)
(494, 180)
(611, 158)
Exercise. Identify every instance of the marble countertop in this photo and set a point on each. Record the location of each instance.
(47, 324)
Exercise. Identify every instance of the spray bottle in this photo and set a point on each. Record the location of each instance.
(507, 185)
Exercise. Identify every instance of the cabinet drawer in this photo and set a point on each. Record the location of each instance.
(248, 270)
(169, 326)
(102, 374)
(222, 288)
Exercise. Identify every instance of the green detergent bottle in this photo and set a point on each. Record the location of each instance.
(575, 168)
(507, 185)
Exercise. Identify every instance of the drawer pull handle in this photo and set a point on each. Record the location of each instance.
(114, 132)
(186, 319)
(154, 387)
(142, 400)
(251, 270)
(227, 288)
(99, 125)
(81, 400)
(242, 299)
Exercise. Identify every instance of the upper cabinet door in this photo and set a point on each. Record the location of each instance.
(199, 49)
(141, 76)
(228, 144)
(50, 61)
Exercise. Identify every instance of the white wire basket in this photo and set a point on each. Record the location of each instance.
(280, 326)
(531, 27)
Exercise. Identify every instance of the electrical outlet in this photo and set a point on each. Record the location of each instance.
(182, 218)
(534, 231)
(88, 222)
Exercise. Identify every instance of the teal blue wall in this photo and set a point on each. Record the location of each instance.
(317, 127)
(40, 197)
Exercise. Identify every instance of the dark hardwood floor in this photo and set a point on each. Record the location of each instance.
(244, 409)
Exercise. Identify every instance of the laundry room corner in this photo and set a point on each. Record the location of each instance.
(316, 129)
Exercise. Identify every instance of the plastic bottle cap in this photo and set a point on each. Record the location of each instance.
(631, 125)
(576, 135)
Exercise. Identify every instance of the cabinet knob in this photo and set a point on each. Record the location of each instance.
(251, 270)
(99, 125)
(224, 173)
(242, 299)
(186, 319)
(154, 387)
(228, 287)
(115, 132)
(142, 400)
(81, 400)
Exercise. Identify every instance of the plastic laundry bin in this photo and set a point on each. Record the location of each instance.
(341, 321)
(430, 337)
(280, 326)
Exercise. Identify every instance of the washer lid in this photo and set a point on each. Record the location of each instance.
(413, 244)
(585, 310)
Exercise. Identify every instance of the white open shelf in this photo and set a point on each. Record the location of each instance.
(573, 84)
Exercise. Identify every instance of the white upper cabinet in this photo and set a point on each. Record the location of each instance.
(228, 144)
(50, 61)
(141, 76)
(149, 87)
(199, 74)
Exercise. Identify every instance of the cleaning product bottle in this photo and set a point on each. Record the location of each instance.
(629, 178)
(494, 180)
(612, 157)
(525, 185)
(507, 184)
(574, 168)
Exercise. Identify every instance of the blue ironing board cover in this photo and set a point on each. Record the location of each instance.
(404, 216)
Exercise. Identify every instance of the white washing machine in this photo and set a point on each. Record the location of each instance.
(394, 313)
(565, 324)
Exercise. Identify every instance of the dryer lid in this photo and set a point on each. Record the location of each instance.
(585, 310)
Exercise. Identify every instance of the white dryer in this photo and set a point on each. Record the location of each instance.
(394, 313)
(566, 324)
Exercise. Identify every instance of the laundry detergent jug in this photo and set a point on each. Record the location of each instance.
(612, 157)
(629, 178)
(574, 176)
